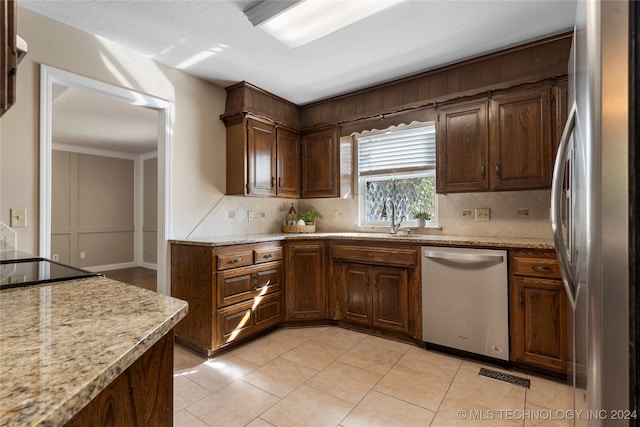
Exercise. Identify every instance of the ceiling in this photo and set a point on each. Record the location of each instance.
(411, 37)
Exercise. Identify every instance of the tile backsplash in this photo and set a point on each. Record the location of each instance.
(230, 216)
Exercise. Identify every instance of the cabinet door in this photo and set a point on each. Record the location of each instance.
(8, 58)
(462, 143)
(305, 286)
(521, 140)
(356, 293)
(234, 322)
(268, 311)
(539, 323)
(288, 149)
(261, 158)
(320, 164)
(390, 298)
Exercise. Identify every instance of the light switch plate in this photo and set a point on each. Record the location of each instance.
(18, 217)
(483, 214)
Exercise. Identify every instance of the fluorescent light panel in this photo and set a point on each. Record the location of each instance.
(298, 23)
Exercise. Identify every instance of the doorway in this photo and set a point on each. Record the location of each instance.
(52, 79)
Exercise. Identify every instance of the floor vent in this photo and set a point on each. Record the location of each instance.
(501, 376)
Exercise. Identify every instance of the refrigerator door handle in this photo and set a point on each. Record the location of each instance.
(556, 206)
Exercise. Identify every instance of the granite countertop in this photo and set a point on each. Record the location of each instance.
(63, 343)
(422, 239)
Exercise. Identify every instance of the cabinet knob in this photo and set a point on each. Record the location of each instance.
(269, 255)
(483, 172)
(498, 170)
(273, 181)
(540, 268)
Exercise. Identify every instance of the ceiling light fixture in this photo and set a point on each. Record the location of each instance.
(296, 23)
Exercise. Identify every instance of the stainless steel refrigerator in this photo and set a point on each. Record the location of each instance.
(593, 212)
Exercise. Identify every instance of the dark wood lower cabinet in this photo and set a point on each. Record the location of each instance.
(306, 293)
(140, 396)
(233, 292)
(375, 296)
(538, 307)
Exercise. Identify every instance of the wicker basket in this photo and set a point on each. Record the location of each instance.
(299, 228)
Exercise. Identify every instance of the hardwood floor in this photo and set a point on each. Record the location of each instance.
(138, 276)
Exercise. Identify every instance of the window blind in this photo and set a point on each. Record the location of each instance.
(398, 151)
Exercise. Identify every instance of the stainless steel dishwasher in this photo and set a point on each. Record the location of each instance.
(465, 300)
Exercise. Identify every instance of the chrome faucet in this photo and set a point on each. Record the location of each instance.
(394, 226)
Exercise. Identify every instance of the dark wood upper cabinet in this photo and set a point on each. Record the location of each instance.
(288, 163)
(320, 164)
(501, 144)
(462, 144)
(9, 57)
(263, 159)
(521, 143)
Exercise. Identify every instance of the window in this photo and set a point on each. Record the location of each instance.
(398, 164)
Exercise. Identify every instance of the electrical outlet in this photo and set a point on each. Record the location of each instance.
(466, 212)
(83, 255)
(522, 212)
(483, 214)
(55, 257)
(18, 217)
(250, 215)
(336, 215)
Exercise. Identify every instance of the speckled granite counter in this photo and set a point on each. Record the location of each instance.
(422, 239)
(63, 343)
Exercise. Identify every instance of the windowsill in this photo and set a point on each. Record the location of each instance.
(401, 230)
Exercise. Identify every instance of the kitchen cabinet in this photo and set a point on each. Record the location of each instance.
(463, 147)
(142, 395)
(306, 283)
(375, 296)
(9, 57)
(378, 286)
(262, 159)
(233, 292)
(320, 164)
(497, 144)
(560, 111)
(538, 312)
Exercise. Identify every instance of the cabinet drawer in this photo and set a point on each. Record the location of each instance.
(240, 284)
(368, 254)
(234, 286)
(234, 322)
(235, 259)
(536, 267)
(268, 254)
(269, 311)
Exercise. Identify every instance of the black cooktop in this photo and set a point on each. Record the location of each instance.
(34, 271)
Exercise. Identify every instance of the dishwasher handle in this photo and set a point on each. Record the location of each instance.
(427, 253)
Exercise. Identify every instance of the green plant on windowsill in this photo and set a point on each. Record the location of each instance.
(309, 217)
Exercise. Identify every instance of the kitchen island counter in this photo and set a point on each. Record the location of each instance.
(63, 343)
(422, 239)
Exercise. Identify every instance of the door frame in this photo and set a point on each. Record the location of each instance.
(50, 75)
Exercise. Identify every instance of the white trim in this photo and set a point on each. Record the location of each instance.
(93, 151)
(108, 267)
(149, 265)
(49, 76)
(138, 208)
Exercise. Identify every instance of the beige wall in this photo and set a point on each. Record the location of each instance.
(92, 209)
(198, 151)
(150, 210)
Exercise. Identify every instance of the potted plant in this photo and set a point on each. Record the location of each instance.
(421, 217)
(309, 217)
(424, 202)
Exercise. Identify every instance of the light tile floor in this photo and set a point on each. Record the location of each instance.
(329, 376)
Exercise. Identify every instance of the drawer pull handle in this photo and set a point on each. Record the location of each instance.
(269, 256)
(540, 268)
(236, 260)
